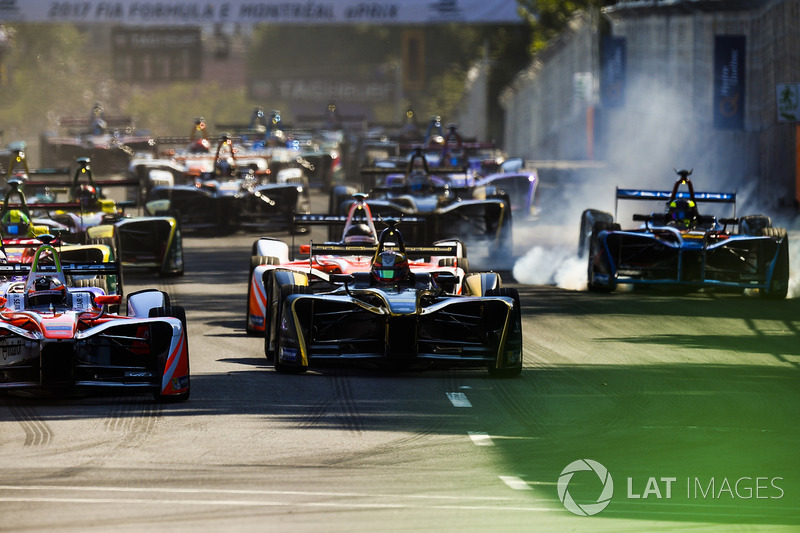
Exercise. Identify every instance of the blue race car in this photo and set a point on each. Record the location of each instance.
(683, 248)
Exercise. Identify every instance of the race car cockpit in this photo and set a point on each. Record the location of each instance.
(46, 289)
(682, 214)
(681, 208)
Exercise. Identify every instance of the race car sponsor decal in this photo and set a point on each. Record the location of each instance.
(180, 383)
(11, 352)
(289, 354)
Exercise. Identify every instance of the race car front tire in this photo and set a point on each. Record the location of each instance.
(588, 219)
(779, 284)
(594, 242)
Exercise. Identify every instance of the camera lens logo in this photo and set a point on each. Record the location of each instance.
(587, 509)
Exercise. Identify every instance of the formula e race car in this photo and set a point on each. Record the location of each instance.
(87, 217)
(393, 316)
(55, 338)
(270, 265)
(239, 190)
(111, 142)
(447, 200)
(683, 248)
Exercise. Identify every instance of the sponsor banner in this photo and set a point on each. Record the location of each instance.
(612, 71)
(157, 54)
(729, 81)
(323, 90)
(194, 12)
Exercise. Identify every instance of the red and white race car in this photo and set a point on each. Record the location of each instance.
(271, 266)
(59, 338)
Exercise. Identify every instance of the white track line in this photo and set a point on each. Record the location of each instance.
(480, 438)
(458, 399)
(515, 483)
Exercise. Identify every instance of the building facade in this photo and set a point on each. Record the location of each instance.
(682, 84)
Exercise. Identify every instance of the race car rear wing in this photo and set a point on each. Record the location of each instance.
(322, 220)
(68, 206)
(379, 171)
(651, 195)
(184, 140)
(67, 183)
(72, 269)
(352, 249)
(62, 178)
(111, 122)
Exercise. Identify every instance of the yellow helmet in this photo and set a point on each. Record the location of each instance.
(15, 223)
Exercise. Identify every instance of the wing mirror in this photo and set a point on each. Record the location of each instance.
(108, 299)
(446, 281)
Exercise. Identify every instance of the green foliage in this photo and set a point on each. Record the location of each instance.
(371, 51)
(549, 17)
(47, 76)
(171, 110)
(51, 73)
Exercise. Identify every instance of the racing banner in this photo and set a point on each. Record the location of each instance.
(195, 12)
(612, 71)
(729, 81)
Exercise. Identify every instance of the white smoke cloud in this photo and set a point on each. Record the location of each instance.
(551, 266)
(659, 130)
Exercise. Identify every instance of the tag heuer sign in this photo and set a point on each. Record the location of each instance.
(789, 102)
(156, 54)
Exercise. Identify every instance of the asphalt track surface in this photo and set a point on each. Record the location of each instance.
(690, 403)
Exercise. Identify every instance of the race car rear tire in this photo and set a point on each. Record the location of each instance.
(258, 260)
(91, 282)
(178, 312)
(286, 291)
(100, 283)
(779, 284)
(588, 219)
(460, 262)
(515, 336)
(175, 311)
(337, 197)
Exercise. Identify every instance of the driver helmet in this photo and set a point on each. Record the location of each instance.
(99, 126)
(226, 168)
(359, 234)
(682, 213)
(390, 267)
(47, 290)
(418, 182)
(200, 146)
(87, 195)
(15, 223)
